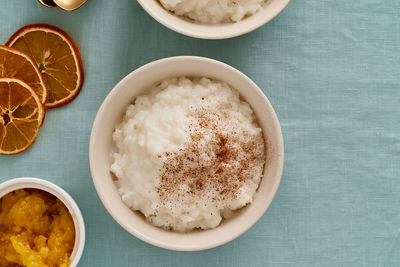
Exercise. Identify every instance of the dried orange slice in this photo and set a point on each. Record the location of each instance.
(57, 58)
(21, 114)
(14, 64)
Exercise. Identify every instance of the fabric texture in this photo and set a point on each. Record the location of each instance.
(331, 69)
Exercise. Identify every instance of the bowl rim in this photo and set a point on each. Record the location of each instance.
(223, 33)
(142, 236)
(49, 187)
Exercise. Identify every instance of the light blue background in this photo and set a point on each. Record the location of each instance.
(330, 68)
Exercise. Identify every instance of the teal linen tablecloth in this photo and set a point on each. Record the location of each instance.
(331, 69)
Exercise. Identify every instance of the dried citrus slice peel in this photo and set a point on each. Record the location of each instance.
(57, 58)
(21, 114)
(14, 64)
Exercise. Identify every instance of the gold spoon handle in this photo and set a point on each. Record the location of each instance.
(69, 5)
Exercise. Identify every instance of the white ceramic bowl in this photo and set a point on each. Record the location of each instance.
(110, 115)
(58, 192)
(210, 31)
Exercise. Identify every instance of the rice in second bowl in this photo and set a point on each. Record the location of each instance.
(188, 154)
(214, 11)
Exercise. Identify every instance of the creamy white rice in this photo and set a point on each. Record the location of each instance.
(188, 154)
(213, 11)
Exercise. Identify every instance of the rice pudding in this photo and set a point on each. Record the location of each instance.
(188, 154)
(213, 11)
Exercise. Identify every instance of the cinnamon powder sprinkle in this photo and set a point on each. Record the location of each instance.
(215, 162)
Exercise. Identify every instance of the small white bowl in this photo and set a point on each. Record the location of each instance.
(58, 192)
(110, 115)
(213, 31)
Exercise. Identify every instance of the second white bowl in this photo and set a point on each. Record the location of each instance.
(110, 115)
